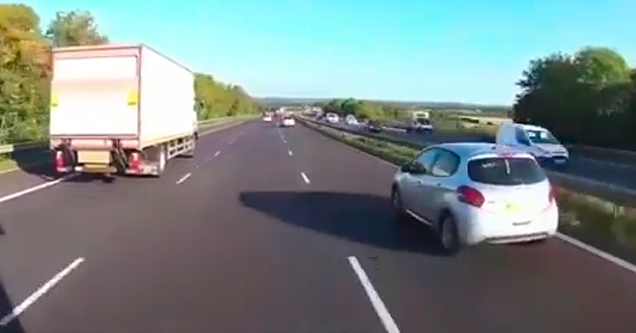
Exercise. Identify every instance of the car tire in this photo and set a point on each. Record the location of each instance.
(448, 235)
(396, 202)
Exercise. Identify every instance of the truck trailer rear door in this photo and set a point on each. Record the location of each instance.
(95, 97)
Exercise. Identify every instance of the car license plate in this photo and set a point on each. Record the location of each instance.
(559, 161)
(518, 207)
(513, 207)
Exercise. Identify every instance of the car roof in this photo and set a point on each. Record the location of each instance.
(469, 150)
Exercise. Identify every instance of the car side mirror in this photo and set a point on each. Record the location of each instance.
(406, 168)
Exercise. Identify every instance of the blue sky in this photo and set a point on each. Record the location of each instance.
(442, 50)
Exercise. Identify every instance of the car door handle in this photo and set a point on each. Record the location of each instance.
(438, 184)
(420, 183)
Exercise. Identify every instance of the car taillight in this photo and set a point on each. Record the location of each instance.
(134, 161)
(59, 159)
(471, 196)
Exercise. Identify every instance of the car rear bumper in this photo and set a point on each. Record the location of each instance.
(497, 231)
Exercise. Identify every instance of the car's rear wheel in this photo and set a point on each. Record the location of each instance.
(448, 235)
(396, 201)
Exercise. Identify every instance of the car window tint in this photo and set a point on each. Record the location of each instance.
(425, 161)
(505, 171)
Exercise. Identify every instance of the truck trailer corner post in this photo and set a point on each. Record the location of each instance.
(123, 109)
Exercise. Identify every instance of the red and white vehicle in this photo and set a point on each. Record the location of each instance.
(120, 109)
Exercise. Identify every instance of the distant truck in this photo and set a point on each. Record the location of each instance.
(417, 121)
(123, 109)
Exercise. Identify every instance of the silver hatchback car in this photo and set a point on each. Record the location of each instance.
(472, 193)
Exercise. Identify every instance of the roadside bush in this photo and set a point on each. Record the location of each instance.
(25, 72)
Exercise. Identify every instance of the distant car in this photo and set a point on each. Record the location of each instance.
(288, 121)
(332, 118)
(267, 118)
(351, 120)
(374, 126)
(471, 193)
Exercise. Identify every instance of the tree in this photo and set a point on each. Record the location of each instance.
(576, 95)
(74, 28)
(215, 99)
(361, 109)
(601, 67)
(24, 74)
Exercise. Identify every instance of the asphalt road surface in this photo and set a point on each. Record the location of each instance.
(602, 171)
(275, 230)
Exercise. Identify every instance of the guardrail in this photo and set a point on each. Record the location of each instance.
(10, 148)
(617, 156)
(616, 194)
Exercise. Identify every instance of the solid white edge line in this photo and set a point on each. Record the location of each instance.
(35, 188)
(305, 178)
(376, 301)
(184, 178)
(604, 255)
(20, 308)
(565, 238)
(217, 153)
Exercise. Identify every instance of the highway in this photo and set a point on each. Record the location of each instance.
(580, 166)
(275, 230)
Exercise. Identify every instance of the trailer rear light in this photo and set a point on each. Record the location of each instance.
(471, 196)
(59, 159)
(134, 162)
(132, 98)
(55, 102)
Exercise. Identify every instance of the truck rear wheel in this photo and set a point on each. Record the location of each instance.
(162, 160)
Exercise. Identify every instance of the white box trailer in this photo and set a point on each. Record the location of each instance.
(120, 109)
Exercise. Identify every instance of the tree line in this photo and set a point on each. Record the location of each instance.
(26, 71)
(362, 109)
(587, 98)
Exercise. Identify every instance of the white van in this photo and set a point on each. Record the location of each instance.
(351, 120)
(535, 140)
(332, 118)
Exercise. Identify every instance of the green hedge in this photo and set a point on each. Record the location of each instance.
(600, 223)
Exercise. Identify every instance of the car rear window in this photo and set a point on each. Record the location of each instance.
(505, 171)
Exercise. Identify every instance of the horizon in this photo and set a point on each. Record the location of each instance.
(383, 100)
(404, 50)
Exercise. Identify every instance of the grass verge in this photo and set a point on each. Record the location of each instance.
(595, 221)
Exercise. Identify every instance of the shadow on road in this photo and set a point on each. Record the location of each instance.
(37, 161)
(6, 306)
(361, 218)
